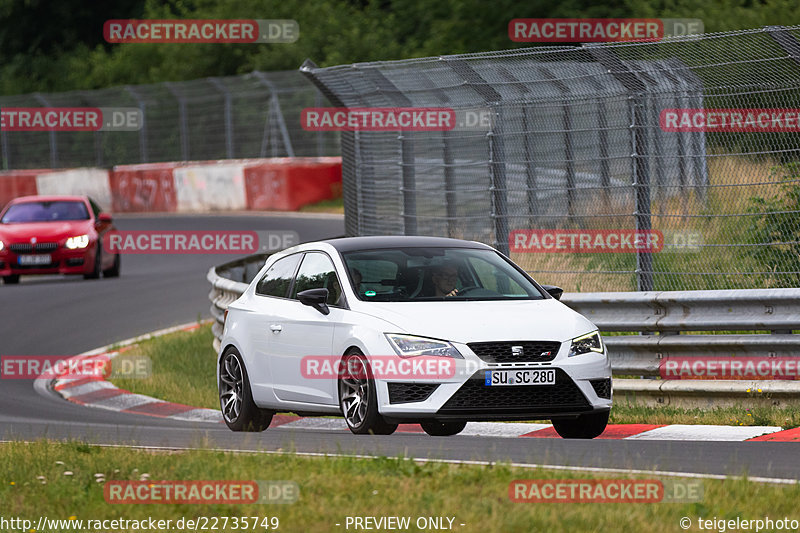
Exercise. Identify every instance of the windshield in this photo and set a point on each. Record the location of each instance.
(45, 212)
(427, 274)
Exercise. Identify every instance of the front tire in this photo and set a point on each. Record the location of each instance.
(98, 257)
(586, 426)
(113, 272)
(435, 428)
(358, 398)
(13, 279)
(236, 398)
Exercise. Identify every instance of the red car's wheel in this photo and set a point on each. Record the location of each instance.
(98, 258)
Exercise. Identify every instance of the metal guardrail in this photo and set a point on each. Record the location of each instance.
(715, 323)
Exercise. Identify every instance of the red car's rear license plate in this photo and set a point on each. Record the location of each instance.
(38, 259)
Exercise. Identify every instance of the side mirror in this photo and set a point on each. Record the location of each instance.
(553, 291)
(104, 218)
(316, 298)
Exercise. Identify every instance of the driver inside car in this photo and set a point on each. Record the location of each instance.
(445, 279)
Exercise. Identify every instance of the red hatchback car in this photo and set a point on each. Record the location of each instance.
(55, 235)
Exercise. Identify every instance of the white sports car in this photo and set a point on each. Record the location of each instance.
(384, 330)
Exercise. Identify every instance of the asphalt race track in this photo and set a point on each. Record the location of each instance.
(66, 316)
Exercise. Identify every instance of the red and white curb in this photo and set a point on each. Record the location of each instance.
(96, 392)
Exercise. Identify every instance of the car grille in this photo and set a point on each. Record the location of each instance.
(502, 352)
(410, 392)
(27, 248)
(602, 387)
(475, 397)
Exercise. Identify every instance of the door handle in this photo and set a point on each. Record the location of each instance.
(276, 328)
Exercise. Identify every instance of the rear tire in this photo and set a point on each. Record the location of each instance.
(13, 279)
(98, 257)
(236, 398)
(435, 428)
(113, 272)
(586, 426)
(358, 398)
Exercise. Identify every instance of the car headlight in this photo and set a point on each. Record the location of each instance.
(411, 346)
(591, 342)
(77, 242)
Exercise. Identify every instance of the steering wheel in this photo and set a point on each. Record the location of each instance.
(467, 289)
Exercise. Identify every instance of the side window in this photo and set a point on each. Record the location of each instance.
(369, 275)
(95, 208)
(318, 272)
(277, 279)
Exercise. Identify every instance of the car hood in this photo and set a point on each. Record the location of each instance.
(43, 231)
(477, 321)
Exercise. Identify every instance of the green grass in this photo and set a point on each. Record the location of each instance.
(335, 206)
(725, 416)
(336, 487)
(184, 371)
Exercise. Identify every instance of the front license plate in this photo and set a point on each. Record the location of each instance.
(507, 378)
(39, 259)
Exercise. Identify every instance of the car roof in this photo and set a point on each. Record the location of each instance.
(49, 198)
(351, 244)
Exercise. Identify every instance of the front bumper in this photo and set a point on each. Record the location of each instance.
(583, 384)
(62, 261)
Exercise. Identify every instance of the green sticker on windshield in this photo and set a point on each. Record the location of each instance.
(370, 293)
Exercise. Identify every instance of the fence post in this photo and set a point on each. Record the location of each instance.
(52, 135)
(275, 115)
(4, 147)
(183, 125)
(641, 178)
(349, 142)
(569, 155)
(228, 116)
(408, 158)
(497, 154)
(143, 155)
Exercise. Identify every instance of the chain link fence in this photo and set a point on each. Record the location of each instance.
(253, 115)
(581, 164)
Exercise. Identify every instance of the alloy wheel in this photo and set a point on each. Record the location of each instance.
(231, 387)
(354, 390)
